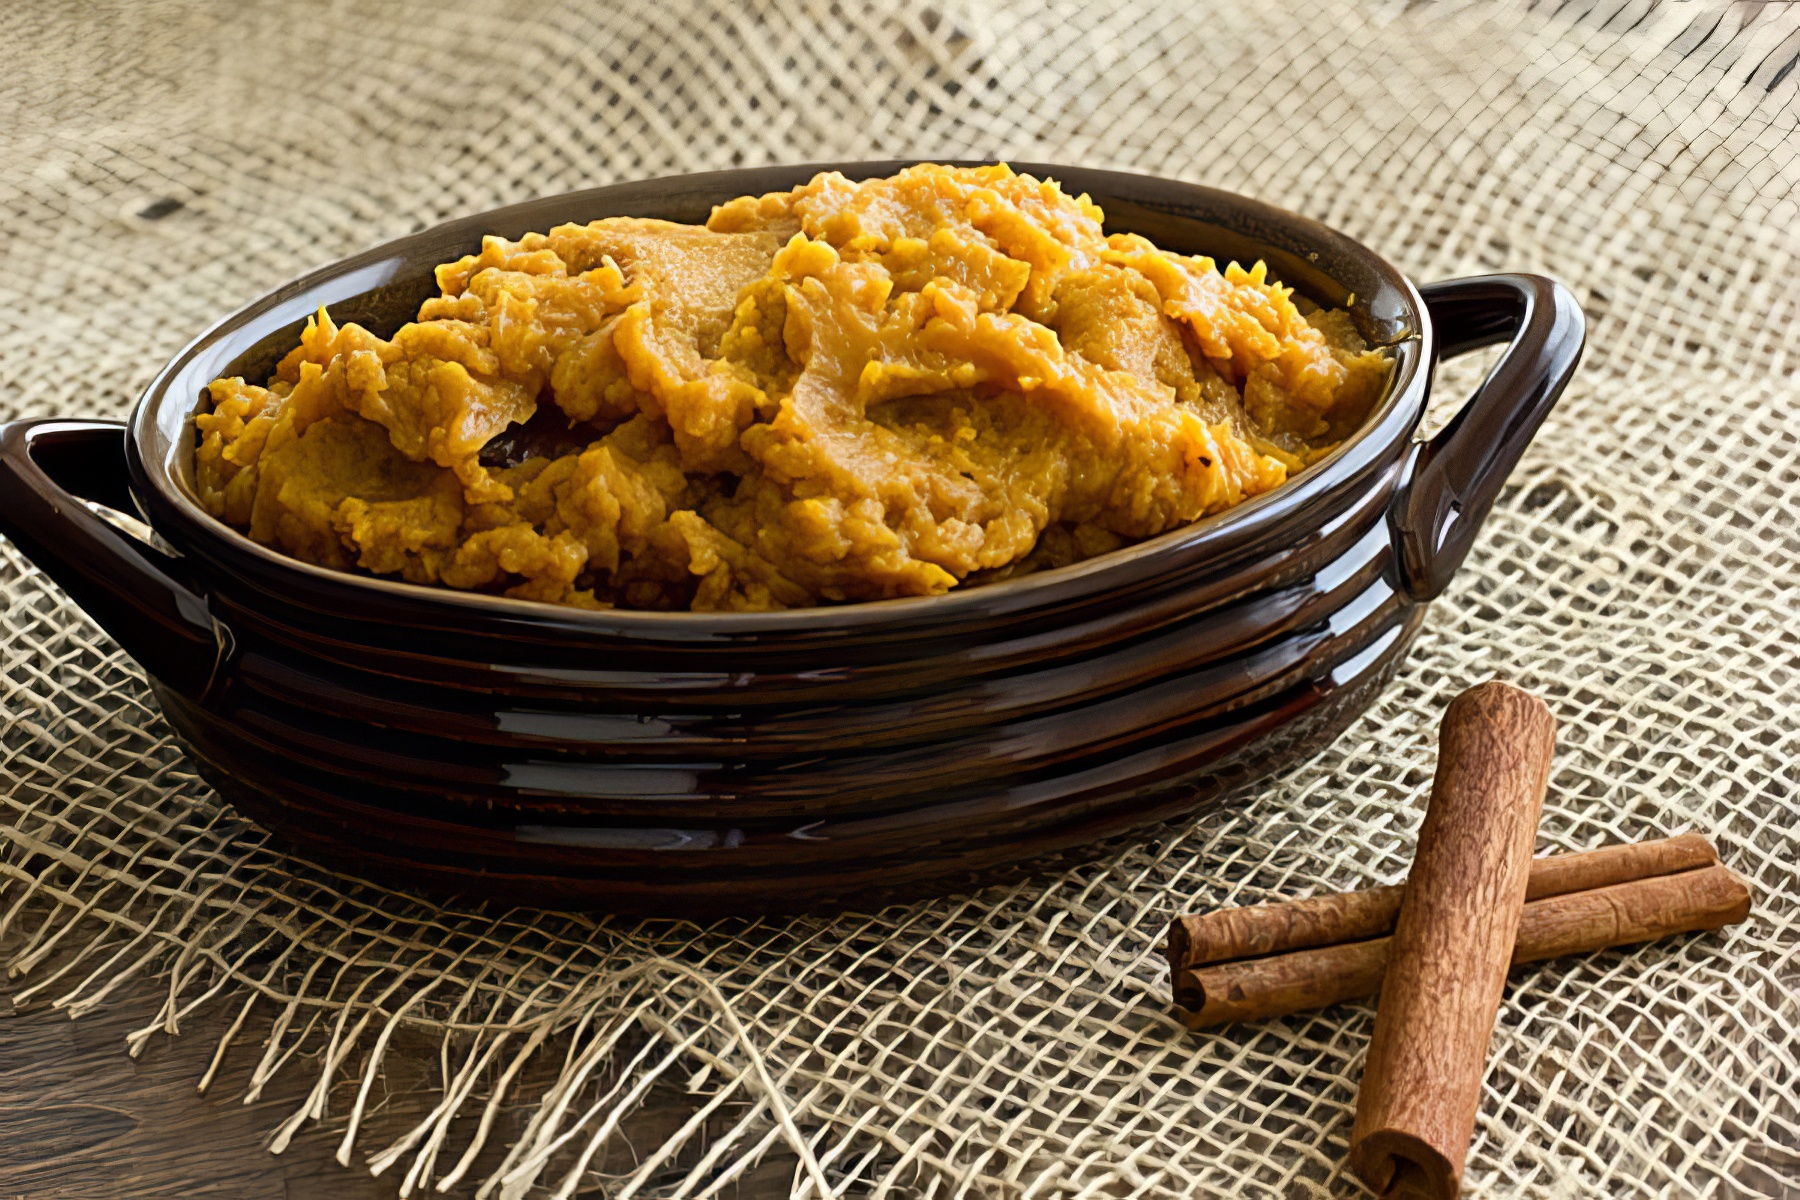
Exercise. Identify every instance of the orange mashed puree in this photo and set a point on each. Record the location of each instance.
(849, 391)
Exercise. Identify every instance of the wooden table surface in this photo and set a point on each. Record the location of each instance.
(81, 1120)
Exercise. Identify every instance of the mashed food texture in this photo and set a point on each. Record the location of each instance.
(850, 391)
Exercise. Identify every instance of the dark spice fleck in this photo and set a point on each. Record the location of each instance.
(159, 209)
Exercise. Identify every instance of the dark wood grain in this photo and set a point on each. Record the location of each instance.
(81, 1120)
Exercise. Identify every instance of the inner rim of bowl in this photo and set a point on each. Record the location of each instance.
(379, 270)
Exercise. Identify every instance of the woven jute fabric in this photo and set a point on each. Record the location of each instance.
(161, 164)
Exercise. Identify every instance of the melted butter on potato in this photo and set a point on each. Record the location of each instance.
(850, 391)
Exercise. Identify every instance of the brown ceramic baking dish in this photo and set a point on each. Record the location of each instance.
(694, 763)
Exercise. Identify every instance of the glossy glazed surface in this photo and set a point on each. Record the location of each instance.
(694, 763)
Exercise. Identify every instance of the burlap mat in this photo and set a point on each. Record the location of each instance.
(161, 164)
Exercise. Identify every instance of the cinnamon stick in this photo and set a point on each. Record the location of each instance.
(1560, 874)
(1579, 922)
(1257, 931)
(1452, 943)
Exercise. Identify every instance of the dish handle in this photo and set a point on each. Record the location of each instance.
(1450, 482)
(55, 476)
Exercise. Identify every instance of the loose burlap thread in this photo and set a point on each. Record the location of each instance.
(164, 163)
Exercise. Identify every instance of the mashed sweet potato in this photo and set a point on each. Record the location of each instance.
(849, 391)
